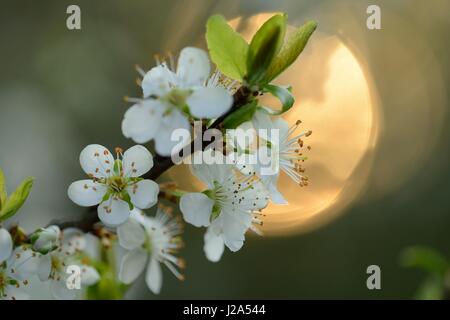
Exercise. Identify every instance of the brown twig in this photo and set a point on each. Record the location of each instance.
(162, 164)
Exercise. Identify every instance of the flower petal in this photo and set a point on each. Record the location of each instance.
(13, 293)
(131, 234)
(234, 229)
(141, 121)
(137, 161)
(214, 245)
(144, 194)
(193, 67)
(214, 172)
(60, 291)
(25, 263)
(157, 81)
(164, 144)
(6, 244)
(132, 265)
(113, 212)
(262, 120)
(44, 268)
(86, 192)
(73, 240)
(89, 275)
(96, 160)
(196, 208)
(209, 103)
(153, 276)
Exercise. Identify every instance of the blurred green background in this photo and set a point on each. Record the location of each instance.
(61, 90)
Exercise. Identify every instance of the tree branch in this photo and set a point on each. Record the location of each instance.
(160, 165)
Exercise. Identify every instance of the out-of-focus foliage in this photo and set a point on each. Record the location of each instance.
(434, 264)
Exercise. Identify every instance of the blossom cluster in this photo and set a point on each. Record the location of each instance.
(136, 227)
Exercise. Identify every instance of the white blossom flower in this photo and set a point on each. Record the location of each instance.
(274, 153)
(284, 151)
(6, 244)
(150, 241)
(54, 265)
(15, 273)
(229, 207)
(171, 96)
(45, 240)
(115, 184)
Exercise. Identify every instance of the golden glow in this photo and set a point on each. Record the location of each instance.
(333, 99)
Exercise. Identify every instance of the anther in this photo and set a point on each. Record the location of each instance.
(118, 150)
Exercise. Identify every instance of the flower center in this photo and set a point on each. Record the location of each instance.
(117, 184)
(5, 280)
(56, 267)
(176, 99)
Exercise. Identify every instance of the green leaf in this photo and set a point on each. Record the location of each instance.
(265, 45)
(241, 115)
(290, 50)
(16, 199)
(426, 259)
(431, 289)
(283, 94)
(3, 193)
(227, 48)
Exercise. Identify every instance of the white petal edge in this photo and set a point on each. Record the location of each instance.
(164, 144)
(153, 276)
(209, 103)
(89, 275)
(44, 267)
(141, 121)
(86, 192)
(196, 208)
(137, 161)
(213, 245)
(113, 212)
(131, 235)
(144, 194)
(193, 67)
(96, 160)
(6, 244)
(132, 265)
(157, 81)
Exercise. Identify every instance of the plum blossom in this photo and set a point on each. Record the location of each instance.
(115, 184)
(151, 241)
(15, 272)
(172, 96)
(278, 149)
(53, 266)
(229, 207)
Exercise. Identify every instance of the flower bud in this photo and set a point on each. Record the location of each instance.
(45, 240)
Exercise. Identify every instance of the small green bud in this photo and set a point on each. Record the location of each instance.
(45, 240)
